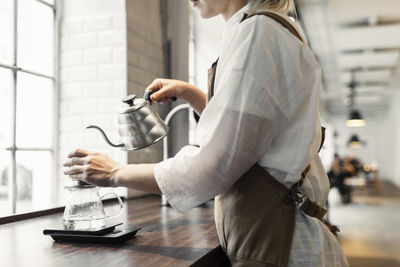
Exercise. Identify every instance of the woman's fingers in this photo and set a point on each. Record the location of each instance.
(75, 161)
(79, 153)
(77, 169)
(164, 89)
(156, 85)
(94, 168)
(93, 178)
(163, 95)
(77, 172)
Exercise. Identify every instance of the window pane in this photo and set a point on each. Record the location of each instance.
(6, 31)
(33, 180)
(35, 36)
(5, 106)
(34, 111)
(4, 163)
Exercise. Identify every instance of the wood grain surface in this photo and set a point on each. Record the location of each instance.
(167, 238)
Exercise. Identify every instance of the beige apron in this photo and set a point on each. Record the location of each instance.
(255, 218)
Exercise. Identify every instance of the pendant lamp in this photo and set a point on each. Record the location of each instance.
(354, 141)
(355, 119)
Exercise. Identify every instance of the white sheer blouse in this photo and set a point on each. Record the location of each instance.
(265, 110)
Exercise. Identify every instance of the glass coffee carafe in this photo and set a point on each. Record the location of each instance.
(84, 209)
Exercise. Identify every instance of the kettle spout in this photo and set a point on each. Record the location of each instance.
(104, 135)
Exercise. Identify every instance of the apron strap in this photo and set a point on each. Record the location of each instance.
(306, 205)
(323, 129)
(294, 195)
(293, 30)
(304, 173)
(211, 80)
(277, 18)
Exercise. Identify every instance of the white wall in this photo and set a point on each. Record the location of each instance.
(207, 35)
(392, 147)
(110, 48)
(381, 146)
(93, 76)
(368, 134)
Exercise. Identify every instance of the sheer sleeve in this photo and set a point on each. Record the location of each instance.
(250, 108)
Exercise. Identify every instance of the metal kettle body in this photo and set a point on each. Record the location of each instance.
(138, 125)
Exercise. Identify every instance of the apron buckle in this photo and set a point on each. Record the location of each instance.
(294, 196)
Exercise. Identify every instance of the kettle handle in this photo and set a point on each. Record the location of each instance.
(121, 205)
(104, 135)
(148, 93)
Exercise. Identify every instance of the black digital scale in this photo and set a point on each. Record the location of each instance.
(109, 234)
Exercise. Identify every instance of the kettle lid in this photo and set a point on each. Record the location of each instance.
(132, 103)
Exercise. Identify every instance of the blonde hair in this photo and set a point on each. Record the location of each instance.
(280, 6)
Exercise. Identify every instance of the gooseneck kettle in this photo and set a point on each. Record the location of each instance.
(138, 125)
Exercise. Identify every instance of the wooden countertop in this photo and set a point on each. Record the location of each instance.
(167, 238)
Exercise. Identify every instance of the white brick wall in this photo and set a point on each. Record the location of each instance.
(74, 25)
(104, 56)
(100, 55)
(99, 23)
(81, 73)
(72, 58)
(71, 90)
(112, 38)
(93, 80)
(83, 40)
(97, 89)
(112, 72)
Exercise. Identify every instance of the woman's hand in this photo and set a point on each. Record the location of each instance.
(91, 167)
(167, 88)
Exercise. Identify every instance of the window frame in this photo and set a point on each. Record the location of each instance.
(13, 149)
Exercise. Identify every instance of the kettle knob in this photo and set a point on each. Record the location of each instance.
(129, 99)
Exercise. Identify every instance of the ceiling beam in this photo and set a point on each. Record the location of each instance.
(362, 38)
(348, 11)
(367, 76)
(368, 60)
(375, 29)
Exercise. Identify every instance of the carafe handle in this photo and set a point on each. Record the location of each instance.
(121, 205)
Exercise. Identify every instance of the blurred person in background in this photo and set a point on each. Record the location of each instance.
(341, 170)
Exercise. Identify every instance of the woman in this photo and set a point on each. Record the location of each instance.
(259, 133)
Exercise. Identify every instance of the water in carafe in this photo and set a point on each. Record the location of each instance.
(84, 209)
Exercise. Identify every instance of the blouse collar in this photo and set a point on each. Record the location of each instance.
(234, 20)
